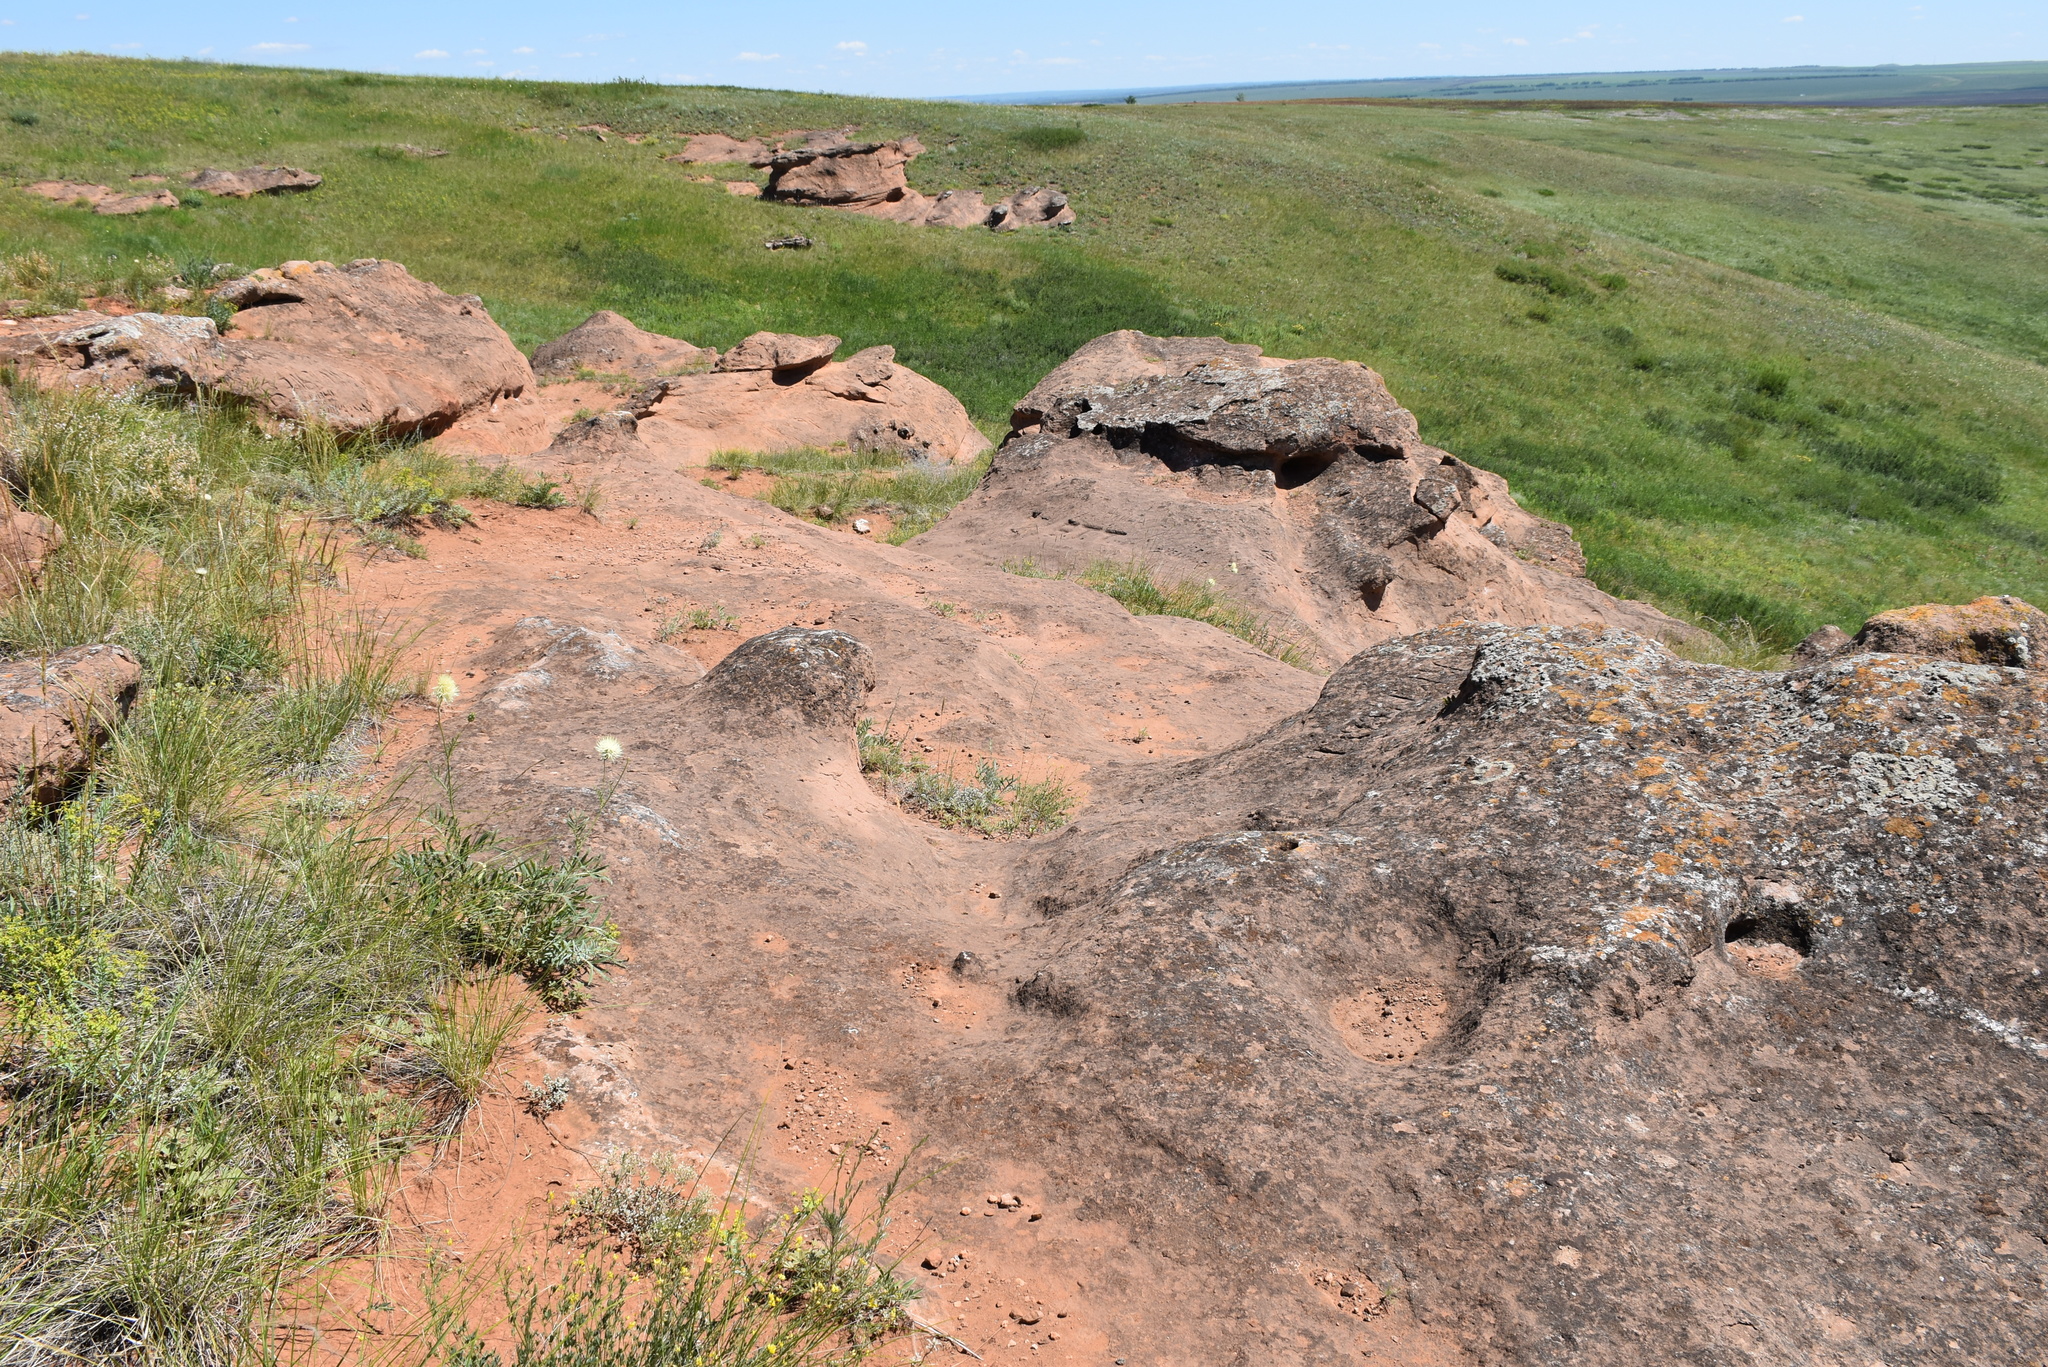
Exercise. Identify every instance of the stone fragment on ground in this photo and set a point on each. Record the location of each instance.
(56, 712)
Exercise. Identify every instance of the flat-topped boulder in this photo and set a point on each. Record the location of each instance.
(102, 199)
(779, 351)
(252, 180)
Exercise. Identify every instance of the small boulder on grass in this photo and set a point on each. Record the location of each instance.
(1991, 631)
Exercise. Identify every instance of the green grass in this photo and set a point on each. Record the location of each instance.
(1597, 344)
(234, 991)
(833, 487)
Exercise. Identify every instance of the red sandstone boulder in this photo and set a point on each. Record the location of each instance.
(101, 199)
(608, 343)
(848, 175)
(55, 712)
(1990, 631)
(779, 351)
(26, 541)
(1299, 488)
(252, 180)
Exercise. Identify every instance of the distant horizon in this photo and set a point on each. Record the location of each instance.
(924, 49)
(1915, 83)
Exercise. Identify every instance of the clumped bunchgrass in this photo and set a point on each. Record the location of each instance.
(663, 1277)
(1733, 642)
(832, 487)
(233, 992)
(993, 801)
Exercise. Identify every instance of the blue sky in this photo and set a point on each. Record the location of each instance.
(916, 47)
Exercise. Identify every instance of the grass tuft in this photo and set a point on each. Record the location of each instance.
(993, 802)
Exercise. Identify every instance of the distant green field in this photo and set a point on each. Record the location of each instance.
(1776, 364)
(1949, 84)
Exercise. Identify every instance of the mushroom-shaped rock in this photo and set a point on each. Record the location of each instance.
(55, 712)
(1990, 631)
(1299, 488)
(794, 676)
(778, 351)
(609, 343)
(1117, 358)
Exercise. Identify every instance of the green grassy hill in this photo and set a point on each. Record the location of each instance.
(1776, 364)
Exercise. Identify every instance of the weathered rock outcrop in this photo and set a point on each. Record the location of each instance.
(1301, 488)
(868, 178)
(714, 149)
(116, 351)
(360, 347)
(1990, 631)
(774, 391)
(609, 344)
(252, 180)
(55, 713)
(1585, 1004)
(102, 199)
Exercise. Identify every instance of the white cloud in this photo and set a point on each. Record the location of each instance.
(1794, 19)
(429, 52)
(567, 55)
(522, 50)
(486, 63)
(293, 20)
(758, 57)
(278, 47)
(1518, 42)
(855, 46)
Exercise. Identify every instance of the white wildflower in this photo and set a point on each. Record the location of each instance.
(444, 692)
(609, 749)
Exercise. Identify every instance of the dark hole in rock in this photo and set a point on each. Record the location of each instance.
(1769, 944)
(1296, 471)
